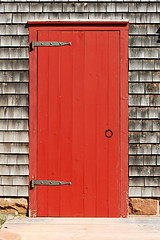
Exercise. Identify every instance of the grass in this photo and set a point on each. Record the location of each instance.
(2, 220)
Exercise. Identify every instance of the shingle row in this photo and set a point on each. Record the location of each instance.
(144, 76)
(13, 87)
(144, 53)
(144, 112)
(144, 182)
(14, 180)
(13, 112)
(14, 170)
(133, 17)
(18, 64)
(144, 191)
(137, 171)
(144, 125)
(14, 41)
(144, 88)
(14, 53)
(9, 159)
(14, 100)
(144, 100)
(144, 64)
(144, 137)
(19, 191)
(144, 149)
(14, 76)
(14, 136)
(144, 160)
(104, 6)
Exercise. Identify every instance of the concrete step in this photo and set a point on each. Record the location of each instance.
(6, 235)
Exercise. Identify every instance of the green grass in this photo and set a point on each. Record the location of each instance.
(2, 221)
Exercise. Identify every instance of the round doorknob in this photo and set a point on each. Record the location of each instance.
(108, 133)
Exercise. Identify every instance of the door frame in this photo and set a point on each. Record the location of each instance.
(122, 27)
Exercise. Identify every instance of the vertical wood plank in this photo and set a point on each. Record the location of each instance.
(66, 130)
(113, 124)
(101, 115)
(90, 124)
(78, 125)
(54, 125)
(43, 127)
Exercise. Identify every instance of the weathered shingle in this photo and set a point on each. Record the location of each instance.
(152, 182)
(68, 7)
(10, 7)
(14, 124)
(143, 41)
(22, 191)
(13, 88)
(146, 191)
(135, 192)
(10, 190)
(13, 159)
(137, 182)
(143, 137)
(141, 171)
(49, 7)
(15, 148)
(13, 112)
(151, 53)
(14, 41)
(23, 7)
(142, 160)
(14, 53)
(14, 64)
(14, 100)
(8, 29)
(143, 7)
(5, 17)
(14, 136)
(14, 76)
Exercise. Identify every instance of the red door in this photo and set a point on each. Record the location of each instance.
(78, 100)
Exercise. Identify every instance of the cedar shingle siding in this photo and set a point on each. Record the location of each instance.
(144, 86)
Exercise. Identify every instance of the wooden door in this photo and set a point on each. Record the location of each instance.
(78, 96)
(78, 100)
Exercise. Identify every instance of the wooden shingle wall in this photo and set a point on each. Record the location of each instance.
(144, 86)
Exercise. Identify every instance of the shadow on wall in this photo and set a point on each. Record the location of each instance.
(158, 31)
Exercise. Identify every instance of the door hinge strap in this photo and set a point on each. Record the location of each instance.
(47, 183)
(48, 44)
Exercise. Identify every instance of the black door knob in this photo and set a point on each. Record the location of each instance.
(108, 133)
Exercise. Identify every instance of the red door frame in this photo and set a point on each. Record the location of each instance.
(122, 27)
